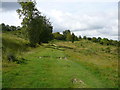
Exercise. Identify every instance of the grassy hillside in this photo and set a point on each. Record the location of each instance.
(59, 64)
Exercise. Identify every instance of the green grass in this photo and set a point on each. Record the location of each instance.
(13, 45)
(60, 64)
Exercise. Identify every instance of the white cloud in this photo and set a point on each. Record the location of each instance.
(90, 19)
(10, 18)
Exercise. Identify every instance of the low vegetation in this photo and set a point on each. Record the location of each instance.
(82, 64)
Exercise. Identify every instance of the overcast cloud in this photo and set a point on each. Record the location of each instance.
(82, 18)
(10, 6)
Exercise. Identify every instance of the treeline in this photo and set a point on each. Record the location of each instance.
(103, 41)
(9, 28)
(67, 35)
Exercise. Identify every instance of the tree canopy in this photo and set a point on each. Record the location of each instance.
(9, 28)
(38, 27)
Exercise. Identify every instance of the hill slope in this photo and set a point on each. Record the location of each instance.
(59, 64)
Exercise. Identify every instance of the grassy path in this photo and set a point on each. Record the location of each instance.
(47, 67)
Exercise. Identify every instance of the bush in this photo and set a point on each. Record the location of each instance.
(94, 39)
(20, 61)
(108, 50)
(11, 57)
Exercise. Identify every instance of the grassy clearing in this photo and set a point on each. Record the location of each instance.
(83, 64)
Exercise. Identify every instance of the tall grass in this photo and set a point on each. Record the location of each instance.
(101, 60)
(13, 46)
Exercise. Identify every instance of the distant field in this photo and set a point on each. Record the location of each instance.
(59, 64)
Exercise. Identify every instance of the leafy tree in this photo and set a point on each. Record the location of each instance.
(58, 36)
(18, 28)
(12, 28)
(38, 28)
(73, 37)
(89, 38)
(76, 38)
(3, 26)
(99, 39)
(94, 39)
(84, 37)
(80, 37)
(69, 37)
(104, 41)
(9, 28)
(65, 33)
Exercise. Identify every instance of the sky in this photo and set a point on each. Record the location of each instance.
(91, 18)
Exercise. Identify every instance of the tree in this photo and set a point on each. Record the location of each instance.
(5, 27)
(73, 38)
(69, 37)
(84, 37)
(38, 28)
(89, 38)
(94, 39)
(76, 38)
(99, 39)
(80, 37)
(65, 33)
(58, 36)
(9, 28)
(18, 28)
(12, 28)
(104, 41)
